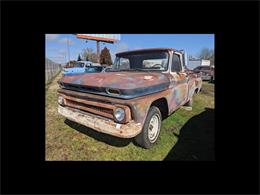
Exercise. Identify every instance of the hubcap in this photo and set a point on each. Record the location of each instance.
(153, 128)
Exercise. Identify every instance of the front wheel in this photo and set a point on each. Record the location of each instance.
(151, 129)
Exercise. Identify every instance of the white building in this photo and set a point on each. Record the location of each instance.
(193, 63)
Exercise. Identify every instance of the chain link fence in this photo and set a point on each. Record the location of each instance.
(51, 70)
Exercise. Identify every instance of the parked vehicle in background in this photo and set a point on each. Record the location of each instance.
(107, 69)
(96, 64)
(83, 70)
(206, 72)
(78, 67)
(79, 64)
(95, 69)
(142, 88)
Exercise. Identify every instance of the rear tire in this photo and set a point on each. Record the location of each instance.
(212, 79)
(151, 129)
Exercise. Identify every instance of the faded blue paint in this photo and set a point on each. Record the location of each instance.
(177, 96)
(77, 81)
(131, 85)
(124, 93)
(113, 85)
(130, 79)
(162, 77)
(72, 74)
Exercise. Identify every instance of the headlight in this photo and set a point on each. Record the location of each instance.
(60, 100)
(119, 114)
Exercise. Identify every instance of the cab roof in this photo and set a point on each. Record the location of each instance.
(145, 50)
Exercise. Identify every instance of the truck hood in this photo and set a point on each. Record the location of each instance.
(122, 84)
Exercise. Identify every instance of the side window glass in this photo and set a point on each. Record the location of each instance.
(176, 63)
(124, 63)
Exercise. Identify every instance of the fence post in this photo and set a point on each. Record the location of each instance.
(48, 70)
(47, 65)
(51, 69)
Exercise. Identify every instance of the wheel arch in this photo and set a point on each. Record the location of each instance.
(162, 105)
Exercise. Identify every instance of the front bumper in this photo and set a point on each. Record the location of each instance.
(128, 130)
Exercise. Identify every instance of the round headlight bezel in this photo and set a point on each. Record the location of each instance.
(119, 114)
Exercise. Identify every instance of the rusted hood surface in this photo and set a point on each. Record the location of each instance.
(130, 84)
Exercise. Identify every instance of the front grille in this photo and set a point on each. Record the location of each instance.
(98, 108)
(73, 103)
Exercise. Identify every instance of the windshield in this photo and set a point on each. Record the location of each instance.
(79, 65)
(93, 69)
(142, 61)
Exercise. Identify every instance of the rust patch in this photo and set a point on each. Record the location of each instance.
(129, 130)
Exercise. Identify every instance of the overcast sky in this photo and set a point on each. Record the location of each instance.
(56, 44)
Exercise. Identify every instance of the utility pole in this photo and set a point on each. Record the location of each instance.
(68, 50)
(98, 52)
(105, 38)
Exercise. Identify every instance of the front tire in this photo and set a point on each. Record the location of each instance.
(151, 129)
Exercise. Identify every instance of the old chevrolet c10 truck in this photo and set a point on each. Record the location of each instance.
(143, 87)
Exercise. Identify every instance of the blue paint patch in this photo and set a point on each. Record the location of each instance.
(73, 74)
(131, 85)
(162, 77)
(176, 96)
(114, 85)
(130, 79)
(77, 81)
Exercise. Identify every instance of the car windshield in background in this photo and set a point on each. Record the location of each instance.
(79, 65)
(142, 61)
(93, 69)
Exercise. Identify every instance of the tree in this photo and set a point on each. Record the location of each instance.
(71, 63)
(207, 54)
(79, 58)
(89, 55)
(105, 57)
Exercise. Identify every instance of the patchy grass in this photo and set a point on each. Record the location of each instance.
(66, 140)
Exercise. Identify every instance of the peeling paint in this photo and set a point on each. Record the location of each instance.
(87, 97)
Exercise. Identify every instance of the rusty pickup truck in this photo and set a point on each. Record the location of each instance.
(142, 88)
